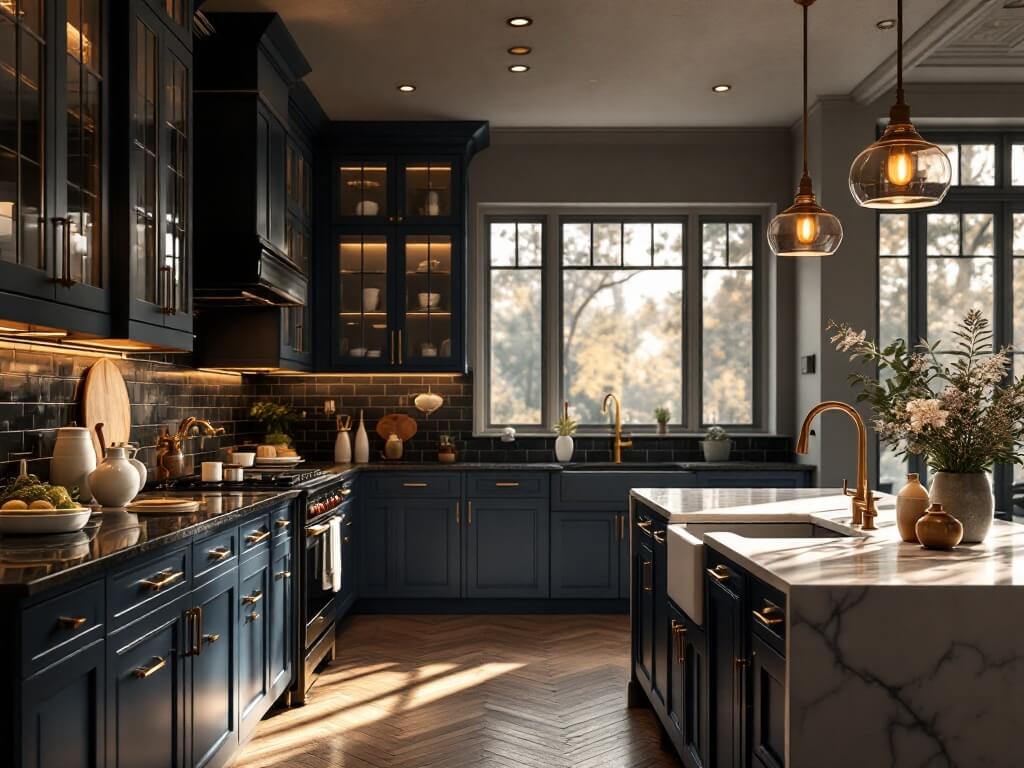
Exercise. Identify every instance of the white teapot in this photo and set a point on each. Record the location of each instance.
(115, 482)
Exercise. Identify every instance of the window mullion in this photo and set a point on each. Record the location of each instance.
(693, 276)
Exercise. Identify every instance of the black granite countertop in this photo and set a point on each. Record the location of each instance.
(32, 564)
(495, 466)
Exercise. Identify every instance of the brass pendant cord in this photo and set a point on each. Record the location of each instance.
(805, 87)
(899, 52)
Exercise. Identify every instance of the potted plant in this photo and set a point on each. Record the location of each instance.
(565, 428)
(277, 419)
(662, 415)
(446, 450)
(948, 406)
(716, 444)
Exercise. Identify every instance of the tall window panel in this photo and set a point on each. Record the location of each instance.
(1018, 325)
(622, 317)
(727, 322)
(515, 365)
(961, 270)
(22, 94)
(893, 313)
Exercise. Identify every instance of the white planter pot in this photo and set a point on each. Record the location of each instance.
(716, 450)
(564, 446)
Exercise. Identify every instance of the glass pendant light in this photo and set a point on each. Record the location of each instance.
(901, 170)
(805, 228)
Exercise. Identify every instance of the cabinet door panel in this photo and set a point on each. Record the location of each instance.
(146, 704)
(695, 712)
(585, 554)
(644, 581)
(725, 635)
(426, 548)
(675, 663)
(374, 562)
(214, 694)
(768, 694)
(282, 621)
(253, 667)
(661, 622)
(63, 712)
(507, 548)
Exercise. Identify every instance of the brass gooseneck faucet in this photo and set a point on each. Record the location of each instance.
(862, 503)
(170, 461)
(618, 443)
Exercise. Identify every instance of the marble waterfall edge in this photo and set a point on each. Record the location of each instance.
(880, 680)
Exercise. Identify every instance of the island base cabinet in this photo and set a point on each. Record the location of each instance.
(253, 667)
(727, 665)
(214, 695)
(686, 698)
(643, 627)
(507, 548)
(146, 691)
(768, 694)
(62, 712)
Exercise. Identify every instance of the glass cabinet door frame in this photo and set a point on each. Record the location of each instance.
(351, 219)
(454, 215)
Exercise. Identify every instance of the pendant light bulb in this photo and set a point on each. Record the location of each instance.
(805, 228)
(901, 170)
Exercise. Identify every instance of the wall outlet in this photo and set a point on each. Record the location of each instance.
(808, 363)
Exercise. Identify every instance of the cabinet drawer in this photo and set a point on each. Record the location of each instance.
(422, 484)
(725, 573)
(281, 524)
(215, 554)
(520, 485)
(768, 614)
(134, 592)
(60, 626)
(255, 534)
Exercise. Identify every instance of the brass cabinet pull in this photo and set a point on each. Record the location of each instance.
(391, 357)
(659, 537)
(644, 525)
(678, 633)
(719, 573)
(648, 567)
(414, 485)
(72, 622)
(256, 537)
(211, 638)
(618, 527)
(770, 614)
(254, 598)
(469, 513)
(163, 579)
(317, 530)
(282, 523)
(219, 553)
(254, 616)
(506, 484)
(283, 575)
(399, 341)
(159, 662)
(346, 492)
(457, 514)
(345, 539)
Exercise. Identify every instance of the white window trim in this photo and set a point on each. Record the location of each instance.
(551, 213)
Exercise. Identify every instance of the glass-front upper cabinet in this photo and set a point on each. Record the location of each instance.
(427, 191)
(428, 298)
(366, 335)
(298, 228)
(397, 191)
(364, 190)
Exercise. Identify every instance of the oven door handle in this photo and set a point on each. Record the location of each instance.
(313, 531)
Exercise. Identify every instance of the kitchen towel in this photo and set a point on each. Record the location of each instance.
(331, 572)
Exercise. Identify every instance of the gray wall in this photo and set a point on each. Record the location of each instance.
(843, 287)
(683, 166)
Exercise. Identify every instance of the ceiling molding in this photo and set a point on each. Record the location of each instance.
(997, 40)
(939, 30)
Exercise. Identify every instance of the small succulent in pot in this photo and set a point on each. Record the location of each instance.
(716, 444)
(662, 416)
(446, 450)
(565, 428)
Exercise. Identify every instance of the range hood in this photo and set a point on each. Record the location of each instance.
(237, 271)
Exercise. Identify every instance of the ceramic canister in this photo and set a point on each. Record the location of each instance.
(115, 482)
(74, 457)
(911, 505)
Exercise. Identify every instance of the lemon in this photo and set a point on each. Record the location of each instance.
(41, 504)
(14, 505)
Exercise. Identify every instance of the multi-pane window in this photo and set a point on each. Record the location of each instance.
(515, 328)
(657, 309)
(622, 317)
(966, 253)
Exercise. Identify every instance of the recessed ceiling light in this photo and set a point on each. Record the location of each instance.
(407, 88)
(519, 50)
(519, 21)
(519, 68)
(885, 24)
(721, 88)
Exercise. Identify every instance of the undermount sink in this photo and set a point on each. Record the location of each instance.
(626, 466)
(686, 555)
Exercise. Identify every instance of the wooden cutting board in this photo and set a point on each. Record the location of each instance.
(397, 424)
(105, 401)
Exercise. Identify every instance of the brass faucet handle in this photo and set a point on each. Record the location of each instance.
(846, 488)
(626, 443)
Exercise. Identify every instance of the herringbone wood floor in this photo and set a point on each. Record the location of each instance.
(454, 691)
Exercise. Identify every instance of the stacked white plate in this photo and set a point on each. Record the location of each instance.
(45, 521)
(163, 506)
(278, 461)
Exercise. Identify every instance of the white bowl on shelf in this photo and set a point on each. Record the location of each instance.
(429, 300)
(357, 352)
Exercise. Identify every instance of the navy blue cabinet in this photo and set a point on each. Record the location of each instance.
(350, 561)
(589, 558)
(727, 662)
(686, 697)
(282, 619)
(375, 548)
(213, 678)
(643, 618)
(507, 547)
(146, 690)
(768, 704)
(425, 547)
(253, 640)
(63, 712)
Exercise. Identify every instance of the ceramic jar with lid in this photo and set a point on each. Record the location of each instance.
(74, 457)
(115, 482)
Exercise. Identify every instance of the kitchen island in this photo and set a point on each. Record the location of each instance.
(817, 643)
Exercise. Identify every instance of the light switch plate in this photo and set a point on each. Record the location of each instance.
(808, 363)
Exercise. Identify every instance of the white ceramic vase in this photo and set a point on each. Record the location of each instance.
(115, 482)
(362, 449)
(968, 498)
(716, 450)
(74, 458)
(131, 451)
(564, 446)
(342, 448)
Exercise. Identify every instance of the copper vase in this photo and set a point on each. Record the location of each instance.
(938, 529)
